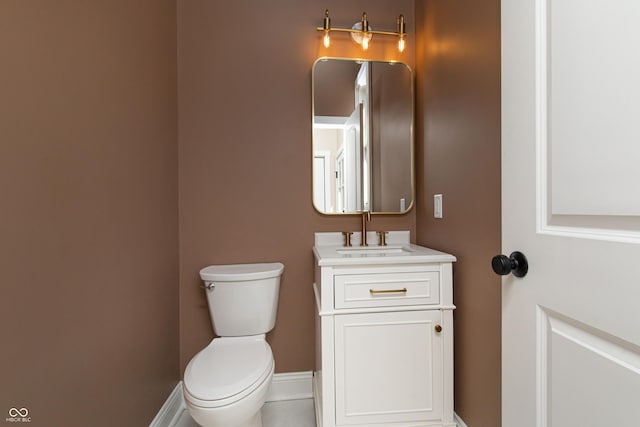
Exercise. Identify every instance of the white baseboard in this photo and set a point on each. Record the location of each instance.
(171, 410)
(291, 386)
(458, 420)
(284, 386)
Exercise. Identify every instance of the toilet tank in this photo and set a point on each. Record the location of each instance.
(242, 298)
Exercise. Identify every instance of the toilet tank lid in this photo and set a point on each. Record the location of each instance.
(239, 272)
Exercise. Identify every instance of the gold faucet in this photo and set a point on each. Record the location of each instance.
(366, 216)
(347, 238)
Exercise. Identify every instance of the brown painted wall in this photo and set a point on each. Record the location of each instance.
(88, 180)
(88, 210)
(244, 84)
(459, 157)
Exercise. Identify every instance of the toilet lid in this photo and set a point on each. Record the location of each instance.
(241, 272)
(227, 367)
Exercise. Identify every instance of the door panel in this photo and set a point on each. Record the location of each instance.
(587, 93)
(572, 358)
(570, 203)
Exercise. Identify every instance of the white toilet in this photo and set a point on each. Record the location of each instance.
(225, 385)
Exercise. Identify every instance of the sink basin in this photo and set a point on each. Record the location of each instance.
(375, 250)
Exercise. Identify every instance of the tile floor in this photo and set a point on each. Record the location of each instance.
(286, 413)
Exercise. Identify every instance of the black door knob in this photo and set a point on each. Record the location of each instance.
(516, 263)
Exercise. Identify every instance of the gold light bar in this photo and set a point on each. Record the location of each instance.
(361, 32)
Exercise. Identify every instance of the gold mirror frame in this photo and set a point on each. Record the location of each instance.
(326, 159)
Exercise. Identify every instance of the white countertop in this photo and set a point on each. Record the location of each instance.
(329, 250)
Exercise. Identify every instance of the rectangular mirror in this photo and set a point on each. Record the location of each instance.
(362, 136)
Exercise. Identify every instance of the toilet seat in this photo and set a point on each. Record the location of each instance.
(227, 370)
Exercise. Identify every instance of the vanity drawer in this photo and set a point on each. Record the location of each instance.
(387, 289)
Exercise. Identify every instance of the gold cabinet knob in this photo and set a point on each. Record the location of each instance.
(438, 328)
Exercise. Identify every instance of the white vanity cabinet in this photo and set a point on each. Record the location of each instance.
(384, 334)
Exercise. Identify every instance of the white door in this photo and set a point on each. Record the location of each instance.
(340, 193)
(321, 186)
(571, 204)
(353, 161)
(363, 100)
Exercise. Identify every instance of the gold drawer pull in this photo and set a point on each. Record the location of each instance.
(387, 291)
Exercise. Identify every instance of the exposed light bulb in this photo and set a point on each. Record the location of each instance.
(401, 32)
(326, 26)
(365, 27)
(327, 39)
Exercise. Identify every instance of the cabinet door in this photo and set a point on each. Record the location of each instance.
(388, 367)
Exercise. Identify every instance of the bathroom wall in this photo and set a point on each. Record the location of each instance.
(391, 104)
(244, 89)
(458, 112)
(88, 210)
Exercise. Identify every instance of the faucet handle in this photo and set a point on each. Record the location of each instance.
(382, 238)
(347, 238)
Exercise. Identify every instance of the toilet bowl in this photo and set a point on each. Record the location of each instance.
(226, 383)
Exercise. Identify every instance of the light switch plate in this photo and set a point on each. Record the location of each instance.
(437, 205)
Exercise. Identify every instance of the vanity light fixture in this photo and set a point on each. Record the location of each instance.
(361, 32)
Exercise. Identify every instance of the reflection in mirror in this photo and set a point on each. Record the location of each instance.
(362, 136)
